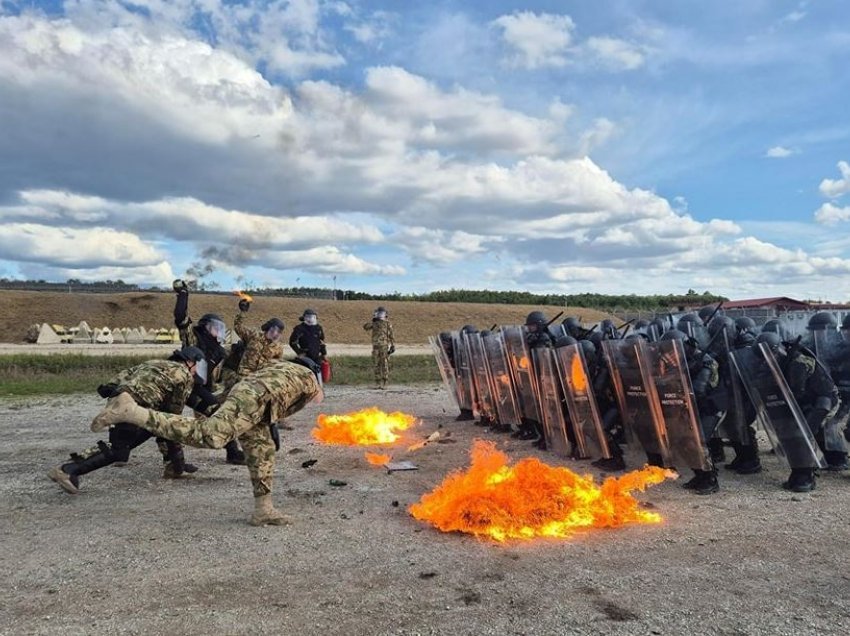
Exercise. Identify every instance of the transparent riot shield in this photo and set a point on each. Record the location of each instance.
(549, 399)
(590, 439)
(445, 367)
(664, 368)
(833, 355)
(483, 392)
(641, 418)
(504, 394)
(522, 372)
(463, 369)
(698, 332)
(776, 408)
(734, 424)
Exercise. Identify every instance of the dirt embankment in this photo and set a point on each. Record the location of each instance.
(342, 320)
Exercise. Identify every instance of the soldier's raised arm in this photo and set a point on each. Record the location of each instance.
(181, 306)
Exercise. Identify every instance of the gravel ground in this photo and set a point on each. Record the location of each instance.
(134, 554)
(7, 348)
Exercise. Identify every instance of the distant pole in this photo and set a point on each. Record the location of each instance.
(334, 296)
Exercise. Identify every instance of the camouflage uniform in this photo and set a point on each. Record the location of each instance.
(259, 350)
(382, 341)
(251, 407)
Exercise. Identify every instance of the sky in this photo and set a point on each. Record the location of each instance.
(628, 146)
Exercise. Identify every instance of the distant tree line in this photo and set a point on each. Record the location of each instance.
(626, 302)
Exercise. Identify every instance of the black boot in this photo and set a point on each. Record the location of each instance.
(68, 475)
(235, 455)
(704, 482)
(747, 460)
(176, 466)
(612, 465)
(800, 480)
(501, 428)
(836, 460)
(465, 416)
(655, 459)
(716, 450)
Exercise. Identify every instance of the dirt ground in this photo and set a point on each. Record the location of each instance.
(342, 320)
(134, 554)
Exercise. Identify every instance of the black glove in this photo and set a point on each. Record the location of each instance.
(180, 286)
(244, 305)
(107, 390)
(275, 435)
(391, 350)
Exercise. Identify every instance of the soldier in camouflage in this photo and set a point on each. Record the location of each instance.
(208, 335)
(262, 346)
(166, 385)
(250, 413)
(383, 345)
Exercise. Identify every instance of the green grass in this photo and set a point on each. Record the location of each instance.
(28, 375)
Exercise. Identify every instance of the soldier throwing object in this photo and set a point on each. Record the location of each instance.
(249, 413)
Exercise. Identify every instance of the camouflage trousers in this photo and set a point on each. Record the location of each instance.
(244, 416)
(381, 362)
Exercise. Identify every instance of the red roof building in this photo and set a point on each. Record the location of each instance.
(777, 303)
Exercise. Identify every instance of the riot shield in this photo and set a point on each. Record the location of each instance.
(833, 355)
(776, 408)
(445, 367)
(698, 332)
(642, 419)
(664, 368)
(504, 395)
(480, 376)
(549, 399)
(465, 388)
(590, 439)
(734, 424)
(522, 372)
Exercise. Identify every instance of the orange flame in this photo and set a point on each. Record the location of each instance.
(377, 459)
(532, 499)
(523, 362)
(369, 427)
(578, 376)
(243, 295)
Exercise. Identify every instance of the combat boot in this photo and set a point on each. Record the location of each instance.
(704, 482)
(465, 416)
(716, 450)
(234, 455)
(68, 475)
(121, 408)
(747, 460)
(176, 467)
(836, 461)
(610, 465)
(800, 480)
(265, 514)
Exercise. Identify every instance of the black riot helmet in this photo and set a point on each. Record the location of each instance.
(608, 330)
(657, 327)
(572, 326)
(745, 323)
(535, 318)
(682, 323)
(705, 313)
(720, 323)
(675, 334)
(588, 349)
(775, 326)
(214, 325)
(822, 321)
(469, 329)
(772, 340)
(595, 339)
(641, 324)
(845, 324)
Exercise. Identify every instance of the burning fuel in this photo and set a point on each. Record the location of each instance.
(378, 459)
(531, 499)
(369, 427)
(243, 296)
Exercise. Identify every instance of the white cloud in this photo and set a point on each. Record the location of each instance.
(779, 152)
(615, 53)
(536, 39)
(834, 188)
(830, 214)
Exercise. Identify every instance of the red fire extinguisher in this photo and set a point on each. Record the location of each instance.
(327, 374)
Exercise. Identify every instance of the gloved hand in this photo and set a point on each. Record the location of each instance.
(244, 305)
(180, 286)
(391, 350)
(275, 435)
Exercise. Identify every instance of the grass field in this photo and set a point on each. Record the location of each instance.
(29, 375)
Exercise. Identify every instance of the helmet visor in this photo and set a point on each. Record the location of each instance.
(202, 370)
(217, 330)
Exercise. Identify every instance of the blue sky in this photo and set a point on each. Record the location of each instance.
(616, 147)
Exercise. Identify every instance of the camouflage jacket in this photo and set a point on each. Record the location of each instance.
(808, 380)
(158, 384)
(259, 350)
(382, 333)
(290, 387)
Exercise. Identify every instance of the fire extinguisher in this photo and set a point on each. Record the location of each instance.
(326, 371)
